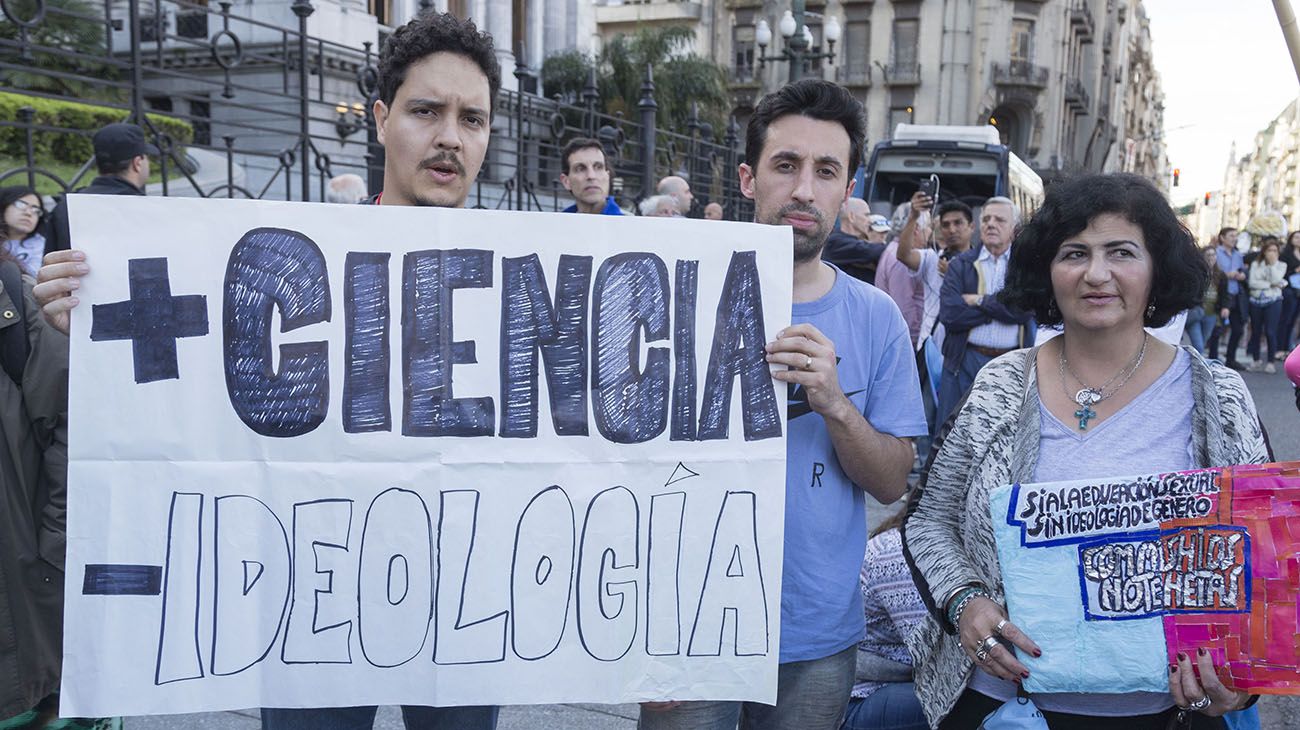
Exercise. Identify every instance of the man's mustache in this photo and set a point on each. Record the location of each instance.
(443, 158)
(800, 208)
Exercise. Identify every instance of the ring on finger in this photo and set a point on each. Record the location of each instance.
(1200, 704)
(988, 643)
(981, 655)
(808, 363)
(1001, 625)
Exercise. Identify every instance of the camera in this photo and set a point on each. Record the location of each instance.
(930, 187)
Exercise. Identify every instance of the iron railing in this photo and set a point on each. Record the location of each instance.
(276, 112)
(1020, 73)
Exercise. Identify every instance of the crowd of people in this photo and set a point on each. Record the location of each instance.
(1259, 288)
(917, 336)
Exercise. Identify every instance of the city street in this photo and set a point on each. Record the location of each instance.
(1274, 397)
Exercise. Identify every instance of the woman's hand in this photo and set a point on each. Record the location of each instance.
(1191, 693)
(984, 618)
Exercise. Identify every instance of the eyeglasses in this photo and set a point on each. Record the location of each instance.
(22, 206)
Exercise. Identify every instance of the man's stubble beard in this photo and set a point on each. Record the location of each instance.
(807, 246)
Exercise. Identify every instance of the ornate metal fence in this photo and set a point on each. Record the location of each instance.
(269, 111)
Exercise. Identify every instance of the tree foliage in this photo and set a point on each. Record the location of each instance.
(76, 29)
(680, 78)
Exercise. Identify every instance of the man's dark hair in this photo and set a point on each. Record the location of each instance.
(954, 206)
(432, 33)
(1224, 230)
(576, 144)
(814, 98)
(1179, 275)
(116, 167)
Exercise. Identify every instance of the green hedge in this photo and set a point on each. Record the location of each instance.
(67, 147)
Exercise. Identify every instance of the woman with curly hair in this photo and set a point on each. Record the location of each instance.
(1103, 258)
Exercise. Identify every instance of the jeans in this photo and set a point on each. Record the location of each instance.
(1239, 310)
(892, 707)
(363, 718)
(955, 383)
(1290, 314)
(1247, 719)
(1263, 322)
(810, 695)
(1199, 327)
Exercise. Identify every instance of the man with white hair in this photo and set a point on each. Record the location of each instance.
(679, 190)
(347, 188)
(977, 326)
(660, 206)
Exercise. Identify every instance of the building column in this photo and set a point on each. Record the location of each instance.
(496, 20)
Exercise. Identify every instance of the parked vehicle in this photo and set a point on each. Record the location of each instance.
(971, 163)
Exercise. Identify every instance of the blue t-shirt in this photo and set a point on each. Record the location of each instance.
(825, 514)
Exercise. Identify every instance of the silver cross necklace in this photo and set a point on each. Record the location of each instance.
(1088, 396)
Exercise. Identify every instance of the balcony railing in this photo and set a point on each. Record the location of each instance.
(1020, 73)
(903, 74)
(1076, 96)
(632, 11)
(859, 76)
(1081, 20)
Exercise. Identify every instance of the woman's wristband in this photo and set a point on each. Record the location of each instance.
(962, 599)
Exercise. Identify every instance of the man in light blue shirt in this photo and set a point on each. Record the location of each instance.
(1232, 264)
(854, 404)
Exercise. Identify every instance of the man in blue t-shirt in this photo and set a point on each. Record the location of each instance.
(586, 175)
(854, 404)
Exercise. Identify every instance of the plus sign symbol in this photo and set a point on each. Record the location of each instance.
(152, 319)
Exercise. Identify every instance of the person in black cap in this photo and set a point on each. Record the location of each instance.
(122, 157)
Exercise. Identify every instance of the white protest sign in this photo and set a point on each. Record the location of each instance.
(343, 455)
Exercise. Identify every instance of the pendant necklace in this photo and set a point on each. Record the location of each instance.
(1088, 396)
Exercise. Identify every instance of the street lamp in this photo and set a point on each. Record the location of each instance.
(350, 120)
(798, 39)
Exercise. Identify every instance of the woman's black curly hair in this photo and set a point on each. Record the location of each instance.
(431, 33)
(1179, 274)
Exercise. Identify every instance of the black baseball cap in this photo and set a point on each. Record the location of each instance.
(121, 142)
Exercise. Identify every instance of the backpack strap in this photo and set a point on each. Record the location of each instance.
(13, 339)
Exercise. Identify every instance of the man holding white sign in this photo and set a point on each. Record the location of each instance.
(278, 584)
(853, 406)
(438, 79)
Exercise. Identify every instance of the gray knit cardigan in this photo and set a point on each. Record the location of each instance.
(994, 442)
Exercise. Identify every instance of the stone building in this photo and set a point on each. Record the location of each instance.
(247, 88)
(1264, 178)
(1070, 83)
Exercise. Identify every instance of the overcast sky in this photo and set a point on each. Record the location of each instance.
(1226, 74)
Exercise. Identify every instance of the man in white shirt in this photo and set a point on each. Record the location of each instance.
(929, 265)
(977, 326)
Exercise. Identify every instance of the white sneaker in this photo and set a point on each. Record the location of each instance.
(1270, 368)
(1255, 367)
